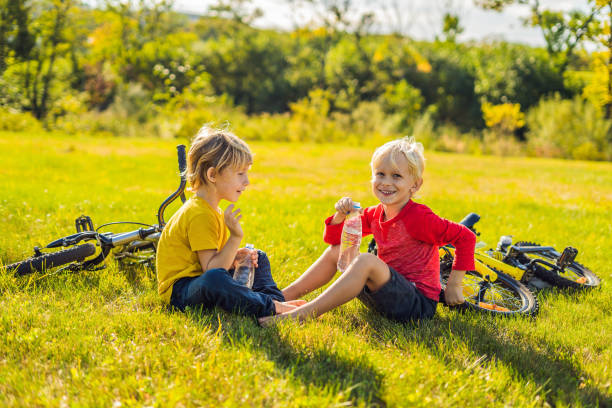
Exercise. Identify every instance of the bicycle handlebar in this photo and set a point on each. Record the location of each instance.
(182, 159)
(180, 192)
(470, 220)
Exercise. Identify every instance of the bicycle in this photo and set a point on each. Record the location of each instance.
(491, 288)
(535, 265)
(78, 251)
(519, 268)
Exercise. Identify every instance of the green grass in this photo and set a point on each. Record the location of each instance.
(103, 338)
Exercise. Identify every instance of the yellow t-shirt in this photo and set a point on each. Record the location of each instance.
(196, 226)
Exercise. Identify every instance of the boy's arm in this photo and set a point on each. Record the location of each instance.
(428, 227)
(224, 258)
(210, 258)
(453, 294)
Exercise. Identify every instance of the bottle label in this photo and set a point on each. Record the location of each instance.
(349, 229)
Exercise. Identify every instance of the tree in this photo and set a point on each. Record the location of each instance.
(601, 33)
(134, 24)
(15, 38)
(451, 27)
(564, 32)
(38, 70)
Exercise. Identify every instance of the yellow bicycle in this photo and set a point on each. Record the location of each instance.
(535, 265)
(504, 276)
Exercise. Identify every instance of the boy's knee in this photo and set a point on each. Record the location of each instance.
(367, 259)
(262, 256)
(214, 277)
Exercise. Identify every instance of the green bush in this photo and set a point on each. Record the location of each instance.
(310, 119)
(250, 67)
(511, 73)
(265, 126)
(449, 85)
(403, 100)
(194, 119)
(18, 121)
(571, 129)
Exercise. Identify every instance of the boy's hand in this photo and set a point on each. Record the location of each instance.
(232, 220)
(343, 207)
(453, 294)
(243, 253)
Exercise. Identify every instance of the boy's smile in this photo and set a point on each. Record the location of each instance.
(393, 185)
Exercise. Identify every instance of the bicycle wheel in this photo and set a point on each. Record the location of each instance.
(52, 259)
(503, 297)
(574, 276)
(143, 253)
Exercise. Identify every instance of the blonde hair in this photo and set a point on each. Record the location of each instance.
(217, 148)
(406, 146)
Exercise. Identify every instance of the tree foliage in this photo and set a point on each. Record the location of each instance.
(140, 60)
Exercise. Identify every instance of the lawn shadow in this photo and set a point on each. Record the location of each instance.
(320, 367)
(546, 365)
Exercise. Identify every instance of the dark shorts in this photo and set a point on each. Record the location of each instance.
(399, 299)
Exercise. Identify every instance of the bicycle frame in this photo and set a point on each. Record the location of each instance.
(480, 265)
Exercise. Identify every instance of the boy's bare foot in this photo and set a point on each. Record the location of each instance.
(283, 307)
(296, 302)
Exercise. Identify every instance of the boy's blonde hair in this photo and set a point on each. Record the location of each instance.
(216, 148)
(406, 146)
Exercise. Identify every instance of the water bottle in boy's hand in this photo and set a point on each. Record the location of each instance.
(351, 238)
(244, 272)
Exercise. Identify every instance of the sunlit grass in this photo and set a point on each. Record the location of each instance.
(103, 337)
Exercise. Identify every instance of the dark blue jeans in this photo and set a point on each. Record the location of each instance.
(216, 287)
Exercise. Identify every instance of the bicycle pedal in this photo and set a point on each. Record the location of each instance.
(84, 223)
(567, 257)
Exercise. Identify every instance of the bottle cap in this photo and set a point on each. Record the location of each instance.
(249, 246)
(356, 204)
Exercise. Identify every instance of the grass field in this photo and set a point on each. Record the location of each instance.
(103, 338)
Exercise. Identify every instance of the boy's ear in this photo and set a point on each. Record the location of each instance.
(211, 174)
(417, 185)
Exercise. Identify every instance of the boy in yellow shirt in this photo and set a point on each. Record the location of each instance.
(200, 243)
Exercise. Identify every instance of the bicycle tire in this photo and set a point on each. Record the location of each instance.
(52, 259)
(503, 297)
(575, 276)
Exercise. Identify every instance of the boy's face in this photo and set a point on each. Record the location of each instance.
(393, 185)
(231, 182)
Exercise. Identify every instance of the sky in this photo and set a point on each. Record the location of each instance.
(420, 19)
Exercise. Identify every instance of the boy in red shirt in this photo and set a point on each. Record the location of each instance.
(403, 281)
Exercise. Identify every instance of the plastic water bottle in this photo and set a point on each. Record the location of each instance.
(244, 273)
(351, 238)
